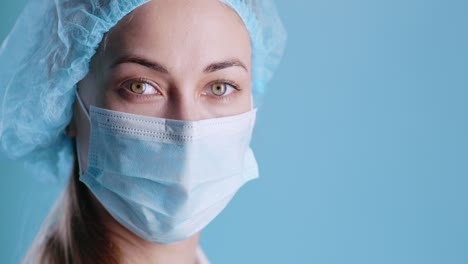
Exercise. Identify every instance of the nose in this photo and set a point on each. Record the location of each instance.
(183, 107)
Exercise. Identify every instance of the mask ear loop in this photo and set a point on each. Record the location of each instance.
(83, 108)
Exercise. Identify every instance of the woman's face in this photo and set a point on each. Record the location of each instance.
(176, 59)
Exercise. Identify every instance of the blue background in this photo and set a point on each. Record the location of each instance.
(362, 144)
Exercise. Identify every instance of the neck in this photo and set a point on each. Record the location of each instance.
(134, 249)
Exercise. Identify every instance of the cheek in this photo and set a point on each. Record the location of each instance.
(248, 102)
(92, 90)
(239, 105)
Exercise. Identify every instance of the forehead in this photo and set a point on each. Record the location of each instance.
(181, 33)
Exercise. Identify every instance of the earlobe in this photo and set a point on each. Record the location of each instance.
(70, 130)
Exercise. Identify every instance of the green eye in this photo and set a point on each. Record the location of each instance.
(219, 89)
(138, 87)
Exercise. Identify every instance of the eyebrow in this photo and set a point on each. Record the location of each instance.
(156, 66)
(223, 65)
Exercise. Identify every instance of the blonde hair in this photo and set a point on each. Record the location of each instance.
(73, 233)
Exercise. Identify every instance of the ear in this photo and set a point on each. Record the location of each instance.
(70, 130)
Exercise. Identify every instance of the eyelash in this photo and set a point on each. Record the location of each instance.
(129, 93)
(229, 96)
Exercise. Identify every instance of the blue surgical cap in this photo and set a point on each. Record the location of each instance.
(48, 52)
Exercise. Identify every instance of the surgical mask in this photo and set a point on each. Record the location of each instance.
(164, 179)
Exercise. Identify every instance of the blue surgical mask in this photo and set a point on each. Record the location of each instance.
(163, 179)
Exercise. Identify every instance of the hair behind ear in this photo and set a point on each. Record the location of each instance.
(72, 232)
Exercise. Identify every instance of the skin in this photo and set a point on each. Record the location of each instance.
(178, 50)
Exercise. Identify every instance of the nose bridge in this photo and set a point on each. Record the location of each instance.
(183, 105)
